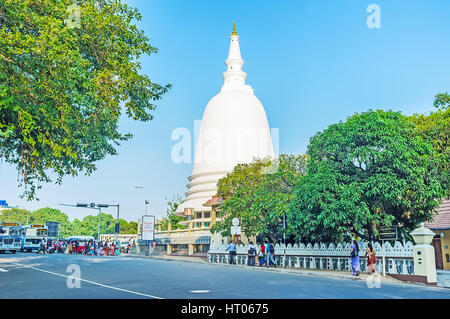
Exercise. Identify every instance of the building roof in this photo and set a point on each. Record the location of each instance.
(214, 201)
(442, 219)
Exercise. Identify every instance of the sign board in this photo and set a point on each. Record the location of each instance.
(10, 224)
(52, 229)
(148, 227)
(235, 230)
(235, 221)
(189, 211)
(37, 226)
(387, 233)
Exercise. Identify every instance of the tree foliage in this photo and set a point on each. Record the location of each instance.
(88, 226)
(435, 128)
(374, 169)
(64, 86)
(174, 220)
(258, 194)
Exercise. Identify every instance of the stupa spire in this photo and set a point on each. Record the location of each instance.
(234, 77)
(234, 29)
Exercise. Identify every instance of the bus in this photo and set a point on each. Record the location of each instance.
(11, 237)
(33, 235)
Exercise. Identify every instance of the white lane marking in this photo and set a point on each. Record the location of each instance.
(3, 270)
(199, 291)
(91, 282)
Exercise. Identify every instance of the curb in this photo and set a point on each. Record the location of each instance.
(168, 259)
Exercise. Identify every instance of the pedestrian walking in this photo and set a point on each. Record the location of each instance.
(42, 246)
(92, 249)
(270, 253)
(77, 244)
(354, 255)
(232, 249)
(261, 254)
(106, 248)
(113, 248)
(371, 258)
(69, 248)
(251, 254)
(101, 250)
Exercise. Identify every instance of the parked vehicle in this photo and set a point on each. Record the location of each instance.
(10, 237)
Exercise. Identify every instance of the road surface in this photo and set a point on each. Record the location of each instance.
(28, 275)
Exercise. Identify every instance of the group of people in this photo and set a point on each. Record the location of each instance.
(371, 258)
(51, 246)
(266, 255)
(91, 247)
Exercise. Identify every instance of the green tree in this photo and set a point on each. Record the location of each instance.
(435, 128)
(258, 194)
(64, 85)
(174, 220)
(127, 227)
(374, 169)
(43, 215)
(14, 215)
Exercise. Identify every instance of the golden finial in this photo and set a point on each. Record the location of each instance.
(234, 29)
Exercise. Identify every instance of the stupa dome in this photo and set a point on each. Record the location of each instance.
(234, 129)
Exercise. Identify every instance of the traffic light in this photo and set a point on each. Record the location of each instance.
(117, 230)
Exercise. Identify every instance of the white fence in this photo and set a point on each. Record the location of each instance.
(399, 259)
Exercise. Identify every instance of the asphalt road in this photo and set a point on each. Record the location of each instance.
(28, 275)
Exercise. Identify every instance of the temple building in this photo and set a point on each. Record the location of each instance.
(234, 129)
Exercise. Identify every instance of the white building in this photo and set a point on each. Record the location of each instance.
(234, 130)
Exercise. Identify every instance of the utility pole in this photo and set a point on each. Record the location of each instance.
(99, 216)
(284, 238)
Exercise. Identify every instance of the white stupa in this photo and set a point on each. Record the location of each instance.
(234, 130)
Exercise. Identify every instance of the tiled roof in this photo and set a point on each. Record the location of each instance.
(442, 219)
(213, 201)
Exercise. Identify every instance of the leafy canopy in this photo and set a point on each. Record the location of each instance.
(435, 128)
(258, 194)
(171, 218)
(88, 226)
(374, 169)
(64, 86)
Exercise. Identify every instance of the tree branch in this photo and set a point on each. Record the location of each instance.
(6, 59)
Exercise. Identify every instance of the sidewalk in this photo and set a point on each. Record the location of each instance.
(304, 272)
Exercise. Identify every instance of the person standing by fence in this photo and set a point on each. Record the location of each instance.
(232, 249)
(261, 254)
(251, 254)
(270, 253)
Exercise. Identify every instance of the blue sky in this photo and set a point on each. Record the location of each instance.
(311, 63)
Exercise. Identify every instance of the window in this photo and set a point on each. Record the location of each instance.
(198, 225)
(207, 224)
(207, 214)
